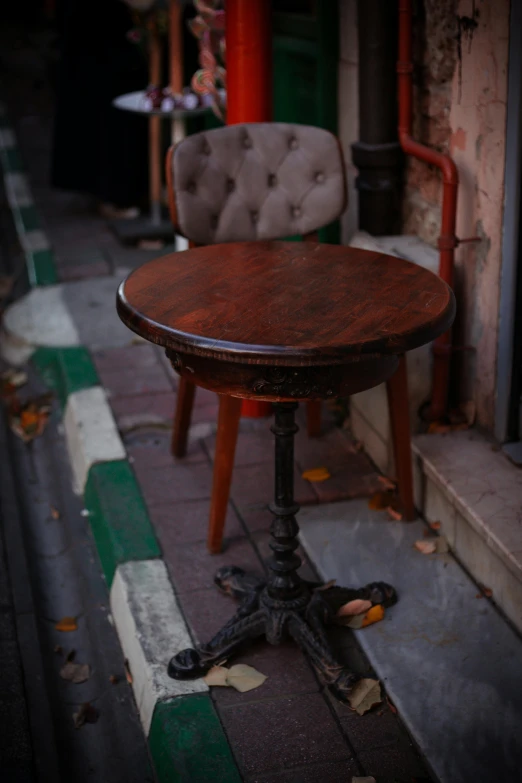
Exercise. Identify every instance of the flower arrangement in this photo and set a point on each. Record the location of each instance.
(210, 80)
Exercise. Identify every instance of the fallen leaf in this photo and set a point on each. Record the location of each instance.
(217, 676)
(355, 622)
(392, 706)
(365, 694)
(367, 779)
(436, 428)
(387, 483)
(75, 672)
(373, 615)
(67, 624)
(128, 674)
(487, 591)
(426, 547)
(10, 380)
(316, 475)
(357, 606)
(55, 513)
(113, 679)
(28, 420)
(86, 714)
(381, 500)
(441, 545)
(434, 525)
(396, 515)
(244, 678)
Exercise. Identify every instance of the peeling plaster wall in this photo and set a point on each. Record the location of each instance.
(478, 124)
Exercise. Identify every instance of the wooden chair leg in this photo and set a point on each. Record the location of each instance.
(313, 418)
(398, 404)
(182, 416)
(226, 439)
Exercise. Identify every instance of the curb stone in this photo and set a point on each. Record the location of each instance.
(39, 257)
(186, 739)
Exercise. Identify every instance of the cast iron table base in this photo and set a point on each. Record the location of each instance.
(285, 605)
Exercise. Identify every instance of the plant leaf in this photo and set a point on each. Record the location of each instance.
(396, 515)
(387, 483)
(381, 500)
(316, 474)
(75, 672)
(357, 606)
(365, 694)
(244, 678)
(86, 714)
(67, 624)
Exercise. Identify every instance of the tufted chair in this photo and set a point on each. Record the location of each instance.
(258, 181)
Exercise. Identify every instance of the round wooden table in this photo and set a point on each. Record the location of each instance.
(284, 321)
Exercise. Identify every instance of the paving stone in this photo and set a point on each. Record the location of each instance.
(131, 380)
(152, 449)
(394, 761)
(354, 478)
(333, 446)
(174, 483)
(252, 448)
(138, 357)
(206, 611)
(285, 666)
(70, 272)
(277, 734)
(142, 409)
(331, 772)
(253, 487)
(193, 567)
(187, 523)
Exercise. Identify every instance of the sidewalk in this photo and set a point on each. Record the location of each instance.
(289, 729)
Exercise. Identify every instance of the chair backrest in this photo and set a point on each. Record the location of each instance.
(255, 181)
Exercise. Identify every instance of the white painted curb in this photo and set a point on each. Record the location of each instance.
(90, 433)
(41, 318)
(152, 629)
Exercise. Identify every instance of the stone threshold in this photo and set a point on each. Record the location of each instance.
(463, 481)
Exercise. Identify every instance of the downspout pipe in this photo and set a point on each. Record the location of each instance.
(450, 179)
(377, 154)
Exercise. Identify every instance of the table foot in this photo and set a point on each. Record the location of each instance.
(303, 618)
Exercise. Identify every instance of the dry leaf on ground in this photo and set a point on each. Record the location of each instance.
(392, 706)
(10, 380)
(487, 591)
(373, 615)
(240, 676)
(67, 624)
(381, 500)
(128, 675)
(426, 547)
(316, 474)
(396, 515)
(357, 606)
(365, 694)
(217, 676)
(75, 672)
(434, 525)
(387, 483)
(86, 714)
(28, 420)
(113, 679)
(55, 513)
(326, 586)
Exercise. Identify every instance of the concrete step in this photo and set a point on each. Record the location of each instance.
(448, 660)
(466, 483)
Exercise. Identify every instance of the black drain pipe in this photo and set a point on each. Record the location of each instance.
(377, 154)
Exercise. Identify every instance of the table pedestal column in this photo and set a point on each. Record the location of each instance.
(285, 605)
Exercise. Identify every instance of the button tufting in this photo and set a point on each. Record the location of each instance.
(272, 180)
(319, 177)
(231, 185)
(254, 216)
(247, 142)
(296, 212)
(292, 143)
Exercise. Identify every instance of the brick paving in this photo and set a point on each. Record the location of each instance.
(289, 730)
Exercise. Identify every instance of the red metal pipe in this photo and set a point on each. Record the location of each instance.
(450, 180)
(249, 86)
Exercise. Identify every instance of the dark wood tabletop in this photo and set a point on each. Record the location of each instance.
(285, 303)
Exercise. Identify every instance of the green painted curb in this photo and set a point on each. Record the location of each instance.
(65, 370)
(188, 744)
(41, 267)
(118, 515)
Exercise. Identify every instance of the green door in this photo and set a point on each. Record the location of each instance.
(305, 63)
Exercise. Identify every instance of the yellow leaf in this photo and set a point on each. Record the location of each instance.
(316, 474)
(67, 624)
(374, 615)
(396, 515)
(426, 547)
(381, 500)
(244, 678)
(366, 694)
(217, 675)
